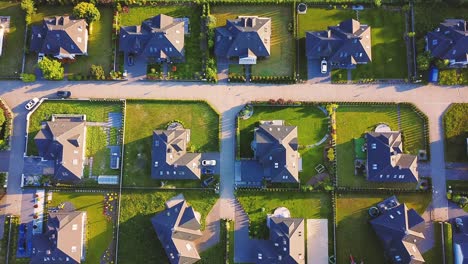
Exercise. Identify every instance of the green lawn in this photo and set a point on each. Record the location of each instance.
(99, 228)
(12, 53)
(282, 49)
(94, 111)
(99, 42)
(312, 127)
(300, 204)
(434, 255)
(355, 235)
(354, 121)
(458, 186)
(193, 55)
(388, 47)
(96, 147)
(141, 245)
(427, 20)
(237, 69)
(456, 132)
(145, 116)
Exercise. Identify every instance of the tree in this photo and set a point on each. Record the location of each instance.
(28, 77)
(29, 9)
(378, 3)
(2, 118)
(211, 22)
(88, 11)
(442, 64)
(463, 201)
(424, 61)
(331, 154)
(98, 72)
(51, 69)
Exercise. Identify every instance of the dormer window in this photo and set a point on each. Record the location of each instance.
(78, 39)
(276, 165)
(374, 166)
(80, 28)
(73, 249)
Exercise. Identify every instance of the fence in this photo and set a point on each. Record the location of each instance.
(9, 123)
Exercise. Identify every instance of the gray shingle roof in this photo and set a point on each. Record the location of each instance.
(400, 231)
(170, 159)
(385, 160)
(344, 45)
(177, 227)
(60, 36)
(246, 36)
(449, 41)
(63, 140)
(276, 150)
(62, 241)
(160, 37)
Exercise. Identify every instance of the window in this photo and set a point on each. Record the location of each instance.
(374, 146)
(75, 162)
(188, 246)
(434, 42)
(73, 249)
(78, 39)
(74, 227)
(57, 35)
(156, 143)
(39, 35)
(259, 256)
(276, 165)
(177, 31)
(454, 51)
(48, 46)
(276, 244)
(72, 46)
(80, 28)
(392, 217)
(285, 177)
(374, 166)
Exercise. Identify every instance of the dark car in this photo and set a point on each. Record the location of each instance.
(207, 171)
(208, 182)
(22, 228)
(63, 94)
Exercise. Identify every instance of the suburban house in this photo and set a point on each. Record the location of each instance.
(177, 227)
(460, 240)
(386, 161)
(449, 41)
(63, 140)
(244, 39)
(400, 231)
(158, 39)
(343, 46)
(170, 159)
(61, 37)
(286, 243)
(63, 239)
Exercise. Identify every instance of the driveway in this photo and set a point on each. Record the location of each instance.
(138, 70)
(211, 234)
(314, 74)
(4, 161)
(212, 156)
(223, 70)
(36, 166)
(317, 241)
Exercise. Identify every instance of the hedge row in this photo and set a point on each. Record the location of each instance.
(273, 79)
(7, 126)
(236, 78)
(448, 245)
(342, 189)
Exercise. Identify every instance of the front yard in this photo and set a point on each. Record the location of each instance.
(193, 55)
(142, 117)
(140, 242)
(456, 133)
(355, 235)
(353, 121)
(12, 53)
(312, 126)
(99, 227)
(282, 50)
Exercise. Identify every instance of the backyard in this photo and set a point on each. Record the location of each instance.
(99, 42)
(96, 147)
(282, 49)
(193, 56)
(456, 132)
(352, 121)
(12, 53)
(387, 40)
(355, 235)
(99, 227)
(137, 208)
(199, 117)
(312, 126)
(301, 205)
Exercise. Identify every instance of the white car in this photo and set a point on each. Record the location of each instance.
(30, 105)
(208, 162)
(323, 66)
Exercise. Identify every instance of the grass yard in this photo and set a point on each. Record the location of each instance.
(355, 235)
(456, 132)
(94, 111)
(434, 255)
(353, 121)
(428, 20)
(193, 56)
(237, 69)
(458, 186)
(312, 127)
(12, 53)
(301, 205)
(96, 147)
(145, 116)
(99, 42)
(99, 228)
(137, 208)
(282, 49)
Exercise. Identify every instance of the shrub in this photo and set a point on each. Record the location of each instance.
(424, 61)
(28, 77)
(97, 72)
(29, 9)
(88, 11)
(51, 69)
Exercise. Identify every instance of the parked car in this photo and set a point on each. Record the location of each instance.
(208, 162)
(358, 7)
(208, 182)
(63, 94)
(459, 224)
(207, 171)
(30, 105)
(324, 66)
(40, 57)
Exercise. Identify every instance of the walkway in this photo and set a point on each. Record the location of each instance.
(211, 233)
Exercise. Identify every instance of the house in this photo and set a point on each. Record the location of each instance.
(177, 227)
(400, 231)
(460, 253)
(449, 42)
(159, 39)
(63, 140)
(63, 240)
(460, 240)
(61, 37)
(386, 161)
(170, 159)
(343, 46)
(275, 147)
(286, 242)
(244, 39)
